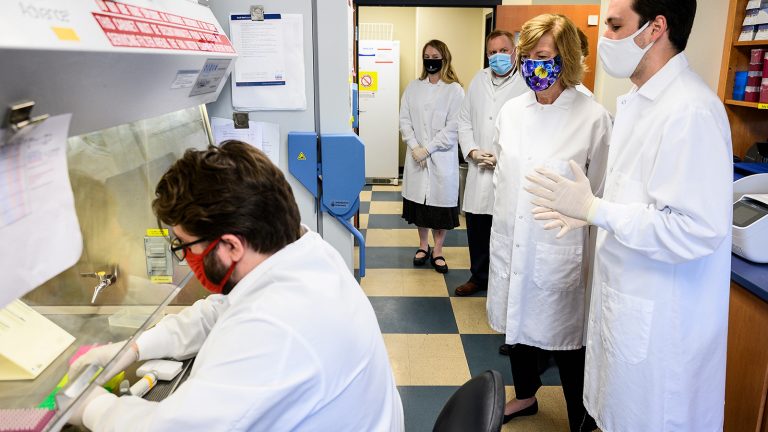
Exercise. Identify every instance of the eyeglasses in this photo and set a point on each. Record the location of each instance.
(179, 249)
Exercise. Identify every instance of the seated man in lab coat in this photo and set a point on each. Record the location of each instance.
(287, 342)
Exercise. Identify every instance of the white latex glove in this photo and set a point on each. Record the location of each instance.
(483, 160)
(419, 154)
(487, 161)
(101, 355)
(557, 220)
(572, 198)
(76, 418)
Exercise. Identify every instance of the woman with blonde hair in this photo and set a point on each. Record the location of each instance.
(429, 113)
(536, 291)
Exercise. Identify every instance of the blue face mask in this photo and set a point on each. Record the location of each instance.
(501, 63)
(541, 74)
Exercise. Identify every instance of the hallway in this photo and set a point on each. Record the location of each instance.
(436, 341)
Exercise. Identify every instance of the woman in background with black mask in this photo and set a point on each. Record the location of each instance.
(429, 125)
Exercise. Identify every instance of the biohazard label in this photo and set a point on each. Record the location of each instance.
(302, 156)
(137, 27)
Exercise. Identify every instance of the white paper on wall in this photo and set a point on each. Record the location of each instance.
(39, 232)
(269, 72)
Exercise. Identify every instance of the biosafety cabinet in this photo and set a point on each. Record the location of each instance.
(98, 99)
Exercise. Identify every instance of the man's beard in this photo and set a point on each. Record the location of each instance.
(215, 271)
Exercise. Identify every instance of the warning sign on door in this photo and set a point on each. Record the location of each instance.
(369, 81)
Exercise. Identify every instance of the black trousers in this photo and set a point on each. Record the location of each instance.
(525, 373)
(479, 240)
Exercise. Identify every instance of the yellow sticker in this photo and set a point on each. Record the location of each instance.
(302, 156)
(762, 106)
(66, 34)
(369, 81)
(161, 279)
(157, 232)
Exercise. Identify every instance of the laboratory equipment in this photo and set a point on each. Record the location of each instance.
(165, 370)
(750, 227)
(134, 110)
(24, 419)
(750, 218)
(152, 371)
(341, 175)
(145, 384)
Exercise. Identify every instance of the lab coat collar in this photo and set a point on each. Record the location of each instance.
(489, 75)
(661, 79)
(563, 102)
(248, 282)
(426, 82)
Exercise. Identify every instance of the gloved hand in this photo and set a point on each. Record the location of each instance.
(557, 220)
(423, 163)
(486, 161)
(482, 159)
(572, 198)
(101, 355)
(419, 154)
(76, 418)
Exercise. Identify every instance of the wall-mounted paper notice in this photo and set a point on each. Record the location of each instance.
(264, 136)
(269, 70)
(39, 232)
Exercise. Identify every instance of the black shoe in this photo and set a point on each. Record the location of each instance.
(531, 410)
(439, 268)
(505, 350)
(420, 261)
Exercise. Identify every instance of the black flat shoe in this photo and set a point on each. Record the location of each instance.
(531, 410)
(420, 261)
(439, 268)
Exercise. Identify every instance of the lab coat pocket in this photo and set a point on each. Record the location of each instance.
(500, 257)
(557, 268)
(626, 325)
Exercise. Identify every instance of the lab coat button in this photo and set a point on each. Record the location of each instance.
(490, 118)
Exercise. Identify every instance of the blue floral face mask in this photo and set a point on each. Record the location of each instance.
(541, 74)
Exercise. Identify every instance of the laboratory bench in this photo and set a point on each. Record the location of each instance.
(746, 392)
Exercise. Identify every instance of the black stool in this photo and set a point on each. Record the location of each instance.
(477, 406)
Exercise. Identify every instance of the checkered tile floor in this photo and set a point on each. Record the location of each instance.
(436, 341)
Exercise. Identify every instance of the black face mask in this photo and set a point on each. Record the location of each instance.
(433, 66)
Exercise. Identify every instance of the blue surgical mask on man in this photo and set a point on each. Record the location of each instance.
(501, 63)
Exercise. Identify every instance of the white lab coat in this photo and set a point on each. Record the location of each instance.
(429, 118)
(477, 127)
(535, 282)
(294, 347)
(659, 312)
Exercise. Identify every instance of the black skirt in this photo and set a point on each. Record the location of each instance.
(427, 216)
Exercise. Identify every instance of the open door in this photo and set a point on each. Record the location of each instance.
(512, 18)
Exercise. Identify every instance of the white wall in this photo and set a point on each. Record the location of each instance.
(462, 29)
(704, 51)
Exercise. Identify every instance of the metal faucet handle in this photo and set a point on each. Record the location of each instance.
(105, 280)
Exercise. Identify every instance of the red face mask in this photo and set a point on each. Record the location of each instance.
(195, 262)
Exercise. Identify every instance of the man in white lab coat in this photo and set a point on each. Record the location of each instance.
(489, 90)
(656, 343)
(287, 342)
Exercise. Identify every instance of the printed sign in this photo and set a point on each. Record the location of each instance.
(137, 27)
(369, 81)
